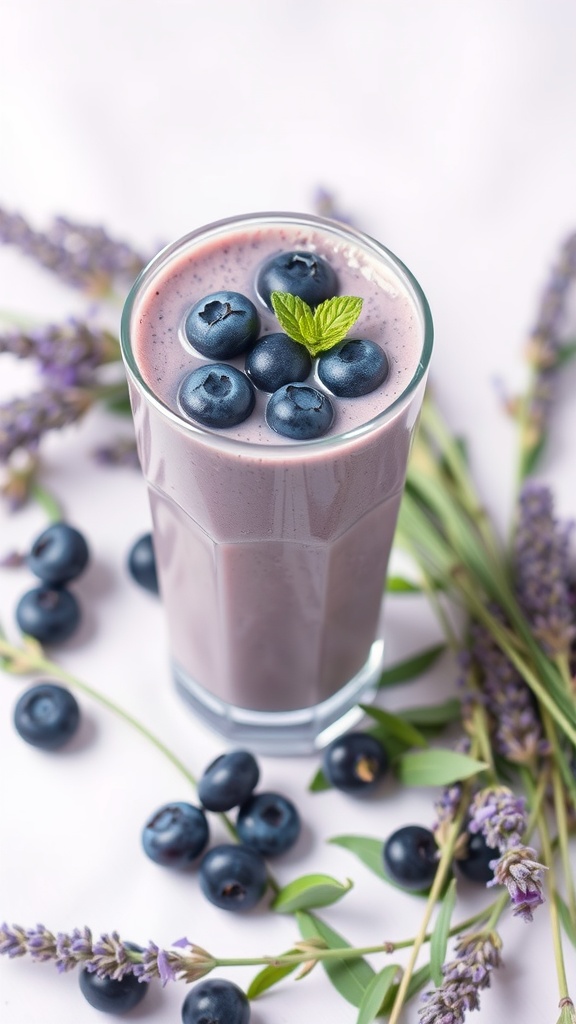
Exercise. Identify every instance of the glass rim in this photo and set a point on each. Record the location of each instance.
(322, 444)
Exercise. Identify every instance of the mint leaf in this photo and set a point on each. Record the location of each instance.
(319, 329)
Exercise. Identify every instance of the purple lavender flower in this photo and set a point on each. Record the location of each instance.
(80, 254)
(545, 339)
(68, 353)
(520, 873)
(122, 452)
(325, 205)
(499, 816)
(24, 421)
(476, 956)
(516, 727)
(108, 955)
(541, 570)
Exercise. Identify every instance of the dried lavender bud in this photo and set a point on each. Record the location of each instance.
(499, 816)
(68, 353)
(24, 421)
(541, 569)
(545, 339)
(520, 873)
(80, 254)
(325, 205)
(516, 728)
(476, 956)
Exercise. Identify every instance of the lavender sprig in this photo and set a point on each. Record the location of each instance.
(499, 815)
(82, 255)
(24, 421)
(520, 873)
(108, 955)
(476, 956)
(541, 569)
(68, 353)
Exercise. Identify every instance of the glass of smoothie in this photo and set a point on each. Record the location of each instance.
(274, 476)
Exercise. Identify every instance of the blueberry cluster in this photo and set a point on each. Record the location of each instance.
(51, 613)
(226, 325)
(233, 876)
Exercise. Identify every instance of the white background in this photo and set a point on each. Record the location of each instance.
(446, 129)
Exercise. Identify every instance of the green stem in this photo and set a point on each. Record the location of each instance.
(32, 660)
(552, 908)
(561, 817)
(47, 502)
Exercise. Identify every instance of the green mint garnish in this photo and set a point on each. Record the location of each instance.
(319, 329)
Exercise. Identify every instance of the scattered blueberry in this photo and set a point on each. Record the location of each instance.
(355, 762)
(59, 554)
(354, 367)
(216, 395)
(301, 273)
(269, 823)
(233, 877)
(216, 1001)
(299, 411)
(49, 614)
(142, 563)
(411, 857)
(276, 360)
(222, 325)
(228, 781)
(47, 716)
(475, 865)
(175, 835)
(110, 995)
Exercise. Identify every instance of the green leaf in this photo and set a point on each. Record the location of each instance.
(417, 981)
(119, 404)
(404, 671)
(568, 924)
(319, 783)
(376, 993)
(432, 715)
(366, 848)
(565, 354)
(437, 767)
(270, 976)
(319, 329)
(349, 977)
(396, 726)
(398, 585)
(308, 892)
(439, 937)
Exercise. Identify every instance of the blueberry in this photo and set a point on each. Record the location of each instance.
(355, 762)
(175, 835)
(269, 823)
(228, 781)
(276, 360)
(299, 411)
(233, 877)
(48, 614)
(110, 995)
(59, 554)
(475, 865)
(142, 563)
(301, 273)
(47, 716)
(222, 325)
(411, 857)
(216, 395)
(353, 368)
(216, 1001)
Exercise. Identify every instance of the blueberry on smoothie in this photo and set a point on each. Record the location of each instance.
(353, 368)
(301, 273)
(216, 395)
(276, 360)
(300, 412)
(222, 325)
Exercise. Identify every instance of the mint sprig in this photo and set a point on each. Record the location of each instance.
(317, 329)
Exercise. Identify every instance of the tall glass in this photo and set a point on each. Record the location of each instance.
(272, 554)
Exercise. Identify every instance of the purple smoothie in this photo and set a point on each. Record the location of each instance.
(272, 554)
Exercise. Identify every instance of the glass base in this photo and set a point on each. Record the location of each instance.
(284, 733)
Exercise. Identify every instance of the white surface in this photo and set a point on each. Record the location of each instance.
(446, 129)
